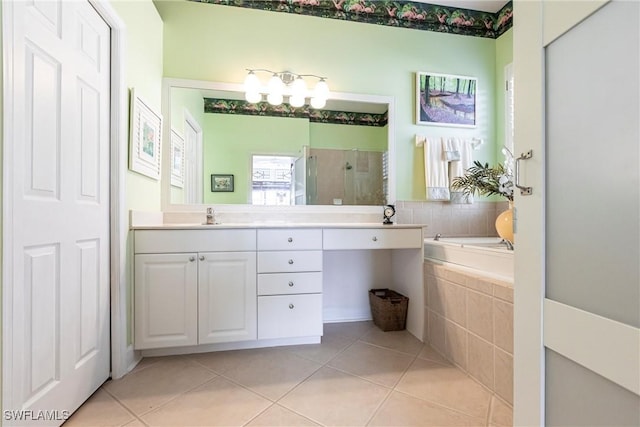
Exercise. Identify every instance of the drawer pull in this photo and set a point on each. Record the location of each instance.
(291, 284)
(290, 261)
(192, 258)
(290, 239)
(375, 239)
(291, 306)
(201, 258)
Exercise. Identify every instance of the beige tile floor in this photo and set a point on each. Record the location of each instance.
(358, 376)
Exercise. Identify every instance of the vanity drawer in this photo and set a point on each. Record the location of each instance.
(289, 283)
(372, 238)
(176, 241)
(289, 261)
(287, 316)
(289, 239)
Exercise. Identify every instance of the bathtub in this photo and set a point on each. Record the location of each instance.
(481, 255)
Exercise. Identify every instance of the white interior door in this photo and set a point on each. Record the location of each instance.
(58, 158)
(193, 160)
(577, 283)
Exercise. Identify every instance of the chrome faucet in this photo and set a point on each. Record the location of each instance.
(438, 236)
(210, 218)
(508, 244)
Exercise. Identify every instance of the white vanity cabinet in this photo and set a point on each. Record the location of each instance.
(166, 294)
(289, 283)
(226, 297)
(194, 287)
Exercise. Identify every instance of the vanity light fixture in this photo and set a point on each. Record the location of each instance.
(285, 83)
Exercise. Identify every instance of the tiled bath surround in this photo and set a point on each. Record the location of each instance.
(470, 321)
(452, 220)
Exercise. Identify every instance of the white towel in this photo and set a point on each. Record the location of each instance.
(435, 169)
(459, 167)
(451, 150)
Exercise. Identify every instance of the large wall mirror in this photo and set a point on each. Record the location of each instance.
(219, 150)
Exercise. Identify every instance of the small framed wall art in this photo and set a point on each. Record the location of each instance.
(221, 183)
(145, 138)
(446, 100)
(177, 159)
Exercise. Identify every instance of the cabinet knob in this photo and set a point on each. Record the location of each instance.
(201, 258)
(291, 306)
(290, 261)
(291, 284)
(375, 239)
(192, 258)
(290, 239)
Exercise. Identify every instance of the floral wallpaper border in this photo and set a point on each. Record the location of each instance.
(405, 14)
(234, 106)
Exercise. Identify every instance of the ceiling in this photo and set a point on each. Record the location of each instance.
(483, 5)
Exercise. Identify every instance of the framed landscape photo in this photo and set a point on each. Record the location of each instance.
(145, 138)
(446, 100)
(221, 183)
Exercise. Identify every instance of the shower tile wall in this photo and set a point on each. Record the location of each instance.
(452, 220)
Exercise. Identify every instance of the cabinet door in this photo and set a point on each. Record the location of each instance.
(166, 296)
(227, 297)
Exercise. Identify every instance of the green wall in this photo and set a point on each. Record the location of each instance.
(143, 61)
(241, 136)
(217, 43)
(504, 56)
(144, 73)
(344, 137)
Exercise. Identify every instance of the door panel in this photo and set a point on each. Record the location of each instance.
(591, 170)
(227, 297)
(59, 152)
(579, 233)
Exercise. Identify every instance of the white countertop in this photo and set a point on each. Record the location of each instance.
(270, 224)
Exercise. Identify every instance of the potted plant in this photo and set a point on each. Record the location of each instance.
(486, 180)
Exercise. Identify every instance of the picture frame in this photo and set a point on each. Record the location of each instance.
(177, 159)
(145, 139)
(222, 183)
(446, 100)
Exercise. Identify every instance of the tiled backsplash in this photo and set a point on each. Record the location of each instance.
(452, 220)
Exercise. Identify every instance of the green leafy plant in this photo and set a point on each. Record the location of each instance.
(484, 180)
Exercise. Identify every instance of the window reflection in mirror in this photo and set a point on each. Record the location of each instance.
(335, 163)
(272, 180)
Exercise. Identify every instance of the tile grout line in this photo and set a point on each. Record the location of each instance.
(173, 398)
(119, 403)
(392, 389)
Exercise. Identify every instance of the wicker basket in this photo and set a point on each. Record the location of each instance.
(389, 309)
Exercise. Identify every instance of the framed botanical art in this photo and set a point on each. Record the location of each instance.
(177, 159)
(221, 183)
(446, 100)
(145, 138)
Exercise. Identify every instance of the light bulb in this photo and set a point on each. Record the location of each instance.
(296, 101)
(318, 103)
(299, 87)
(275, 98)
(252, 83)
(253, 97)
(322, 89)
(275, 85)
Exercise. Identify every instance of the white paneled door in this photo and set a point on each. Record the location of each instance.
(59, 123)
(577, 282)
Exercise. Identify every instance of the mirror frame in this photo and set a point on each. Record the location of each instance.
(165, 183)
